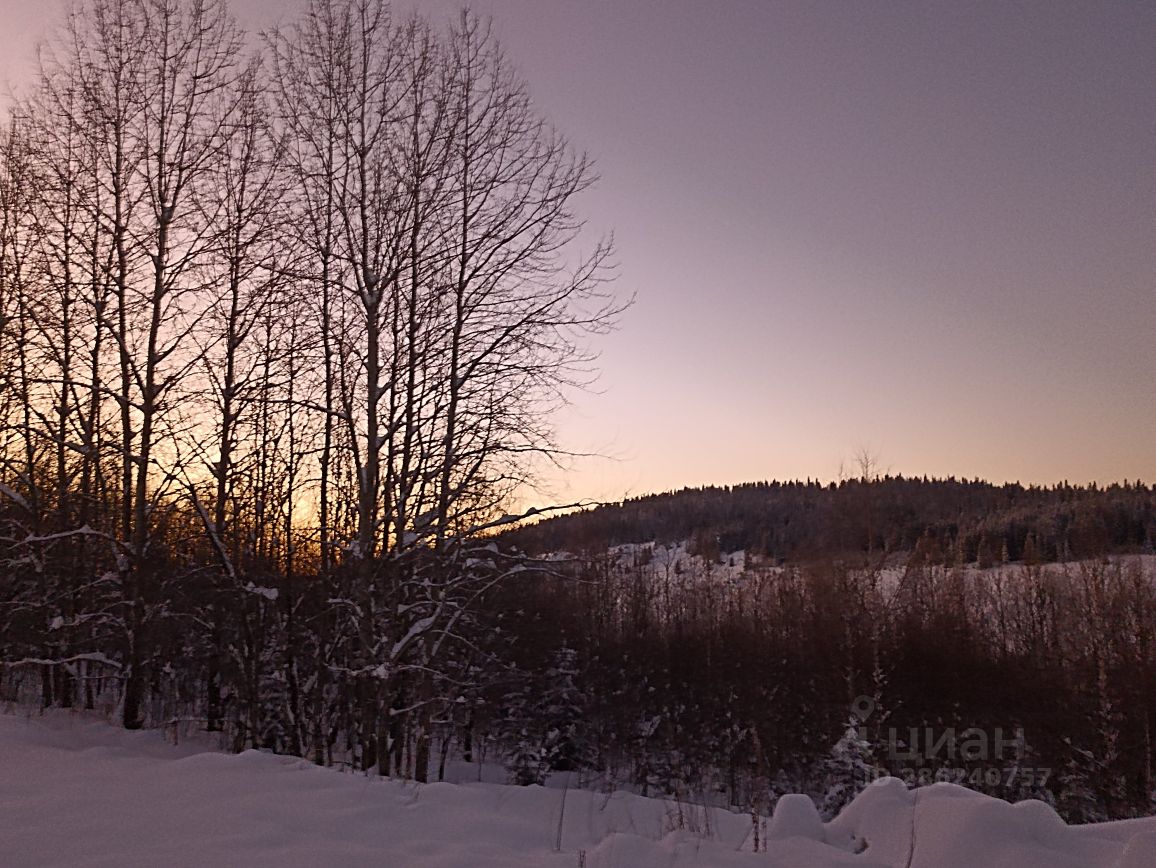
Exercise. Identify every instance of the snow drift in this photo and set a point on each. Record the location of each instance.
(77, 792)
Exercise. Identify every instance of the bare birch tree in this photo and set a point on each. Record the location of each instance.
(283, 349)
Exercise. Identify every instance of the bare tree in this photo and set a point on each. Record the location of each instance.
(155, 92)
(265, 327)
(439, 209)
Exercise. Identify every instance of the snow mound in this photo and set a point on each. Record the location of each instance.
(795, 817)
(75, 792)
(947, 826)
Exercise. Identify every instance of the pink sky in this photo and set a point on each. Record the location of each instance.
(928, 229)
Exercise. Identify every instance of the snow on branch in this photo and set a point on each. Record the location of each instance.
(94, 657)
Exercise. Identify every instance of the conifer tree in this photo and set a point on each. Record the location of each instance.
(845, 771)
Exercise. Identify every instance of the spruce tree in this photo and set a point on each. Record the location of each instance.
(845, 771)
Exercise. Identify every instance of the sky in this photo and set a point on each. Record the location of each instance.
(925, 230)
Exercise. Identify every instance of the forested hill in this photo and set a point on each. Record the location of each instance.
(948, 520)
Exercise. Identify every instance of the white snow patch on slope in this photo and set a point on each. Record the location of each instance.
(81, 793)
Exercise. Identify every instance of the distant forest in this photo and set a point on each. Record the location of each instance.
(948, 520)
(935, 602)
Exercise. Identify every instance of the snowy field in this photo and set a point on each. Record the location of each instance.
(78, 792)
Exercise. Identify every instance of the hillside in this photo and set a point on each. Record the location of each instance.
(723, 635)
(953, 520)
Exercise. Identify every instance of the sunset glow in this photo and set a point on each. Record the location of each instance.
(929, 232)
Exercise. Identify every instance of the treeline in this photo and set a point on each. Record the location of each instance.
(817, 678)
(282, 322)
(950, 520)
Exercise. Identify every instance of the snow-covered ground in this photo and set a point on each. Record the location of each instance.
(79, 792)
(676, 565)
